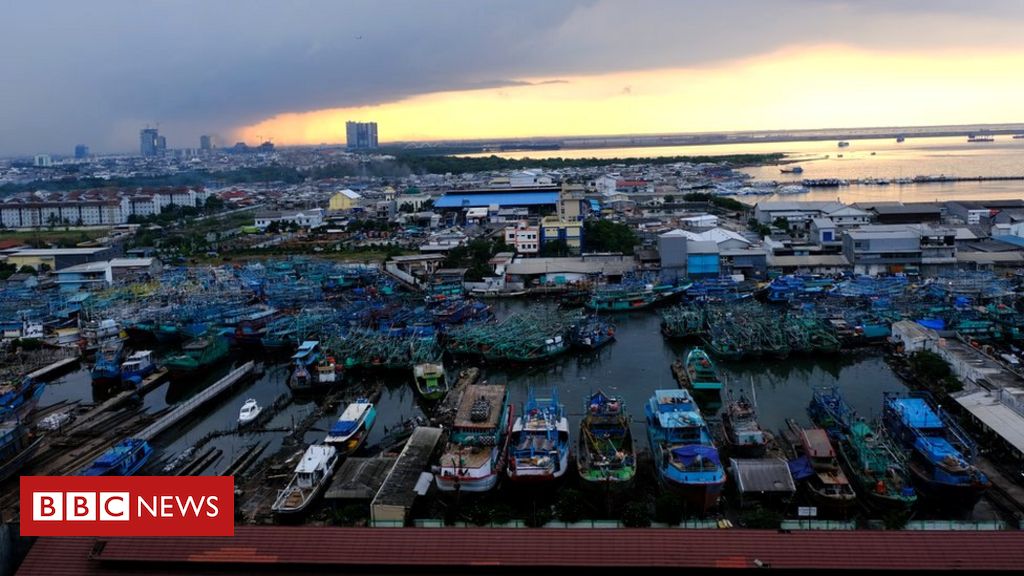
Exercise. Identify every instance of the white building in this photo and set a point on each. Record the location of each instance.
(313, 218)
(523, 237)
(42, 214)
(42, 161)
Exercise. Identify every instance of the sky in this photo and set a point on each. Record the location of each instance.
(295, 70)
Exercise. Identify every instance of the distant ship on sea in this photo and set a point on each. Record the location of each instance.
(900, 139)
(1018, 136)
(843, 143)
(973, 138)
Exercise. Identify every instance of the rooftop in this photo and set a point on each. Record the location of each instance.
(518, 198)
(398, 488)
(421, 550)
(762, 475)
(996, 415)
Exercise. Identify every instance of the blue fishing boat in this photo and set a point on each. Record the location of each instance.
(940, 452)
(251, 328)
(352, 427)
(591, 333)
(137, 367)
(17, 445)
(124, 459)
(108, 363)
(539, 446)
(684, 454)
(304, 362)
(17, 400)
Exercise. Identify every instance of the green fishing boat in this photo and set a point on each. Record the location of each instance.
(430, 380)
(605, 459)
(198, 355)
(876, 469)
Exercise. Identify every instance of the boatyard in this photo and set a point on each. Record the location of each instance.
(705, 375)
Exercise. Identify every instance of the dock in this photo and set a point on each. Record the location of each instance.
(86, 424)
(407, 478)
(53, 369)
(187, 407)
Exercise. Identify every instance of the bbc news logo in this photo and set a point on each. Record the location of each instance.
(127, 506)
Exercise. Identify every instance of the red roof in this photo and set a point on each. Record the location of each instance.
(319, 549)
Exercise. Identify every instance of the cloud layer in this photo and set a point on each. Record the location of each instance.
(94, 73)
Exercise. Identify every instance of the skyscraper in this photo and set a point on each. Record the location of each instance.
(161, 145)
(205, 143)
(81, 151)
(360, 135)
(148, 141)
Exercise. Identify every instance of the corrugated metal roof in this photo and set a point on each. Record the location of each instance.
(317, 548)
(499, 198)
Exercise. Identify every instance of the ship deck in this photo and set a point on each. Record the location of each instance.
(495, 396)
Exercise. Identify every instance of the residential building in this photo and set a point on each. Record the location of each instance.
(525, 238)
(42, 161)
(205, 143)
(149, 142)
(571, 232)
(360, 135)
(312, 218)
(881, 249)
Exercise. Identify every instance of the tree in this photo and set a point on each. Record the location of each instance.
(44, 267)
(570, 506)
(52, 220)
(669, 199)
(931, 369)
(781, 223)
(635, 515)
(554, 248)
(26, 269)
(668, 509)
(607, 236)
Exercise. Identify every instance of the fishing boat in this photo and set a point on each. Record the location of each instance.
(250, 330)
(250, 410)
(17, 445)
(311, 477)
(477, 444)
(198, 355)
(843, 144)
(876, 466)
(430, 380)
(973, 139)
(304, 375)
(698, 373)
(815, 464)
(352, 427)
(107, 368)
(618, 298)
(95, 333)
(539, 444)
(793, 170)
(684, 454)
(900, 139)
(137, 367)
(939, 452)
(124, 459)
(591, 333)
(18, 400)
(743, 435)
(605, 457)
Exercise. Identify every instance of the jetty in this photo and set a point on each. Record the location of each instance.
(185, 408)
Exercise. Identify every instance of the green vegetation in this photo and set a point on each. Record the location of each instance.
(932, 370)
(719, 201)
(474, 256)
(608, 236)
(636, 515)
(761, 229)
(6, 270)
(554, 248)
(571, 506)
(435, 164)
(59, 238)
(761, 518)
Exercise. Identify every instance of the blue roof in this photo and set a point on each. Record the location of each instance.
(1015, 240)
(499, 198)
(595, 205)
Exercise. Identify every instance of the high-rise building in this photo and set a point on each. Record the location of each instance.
(161, 145)
(360, 135)
(148, 139)
(205, 143)
(81, 151)
(42, 161)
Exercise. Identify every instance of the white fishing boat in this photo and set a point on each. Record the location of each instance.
(311, 476)
(353, 426)
(249, 412)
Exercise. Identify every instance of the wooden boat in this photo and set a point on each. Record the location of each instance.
(605, 456)
(430, 380)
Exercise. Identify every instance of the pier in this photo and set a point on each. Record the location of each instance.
(53, 369)
(187, 407)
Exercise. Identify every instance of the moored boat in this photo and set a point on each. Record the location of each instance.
(17, 445)
(877, 469)
(18, 400)
(137, 367)
(815, 464)
(591, 333)
(198, 355)
(701, 374)
(684, 454)
(250, 410)
(743, 435)
(430, 380)
(605, 456)
(476, 447)
(124, 459)
(539, 443)
(311, 477)
(939, 452)
(107, 368)
(352, 427)
(304, 374)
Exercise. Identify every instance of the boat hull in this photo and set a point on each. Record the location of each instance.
(698, 497)
(449, 483)
(958, 496)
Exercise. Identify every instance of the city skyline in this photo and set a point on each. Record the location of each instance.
(290, 74)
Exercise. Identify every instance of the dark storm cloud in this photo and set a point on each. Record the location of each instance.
(95, 72)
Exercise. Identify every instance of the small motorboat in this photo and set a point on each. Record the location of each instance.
(249, 412)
